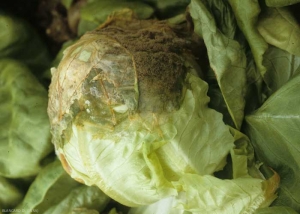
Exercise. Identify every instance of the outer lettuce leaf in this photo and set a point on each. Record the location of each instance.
(113, 211)
(207, 194)
(53, 191)
(243, 193)
(275, 210)
(227, 59)
(224, 17)
(274, 132)
(86, 211)
(246, 13)
(284, 34)
(67, 3)
(166, 205)
(203, 151)
(281, 67)
(168, 8)
(20, 42)
(24, 124)
(280, 3)
(95, 13)
(57, 59)
(242, 156)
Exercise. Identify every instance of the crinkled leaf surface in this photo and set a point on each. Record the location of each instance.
(281, 67)
(242, 156)
(227, 59)
(53, 191)
(166, 205)
(279, 28)
(243, 193)
(207, 194)
(274, 132)
(24, 123)
(202, 152)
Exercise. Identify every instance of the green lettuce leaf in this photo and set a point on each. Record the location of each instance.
(275, 210)
(168, 8)
(19, 41)
(85, 211)
(242, 157)
(95, 13)
(67, 3)
(207, 194)
(217, 101)
(24, 124)
(10, 195)
(281, 67)
(227, 59)
(204, 152)
(274, 132)
(244, 192)
(53, 191)
(113, 211)
(246, 14)
(284, 34)
(166, 205)
(281, 3)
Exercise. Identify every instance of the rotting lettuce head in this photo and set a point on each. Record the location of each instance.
(129, 114)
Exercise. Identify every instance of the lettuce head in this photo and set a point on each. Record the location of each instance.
(129, 113)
